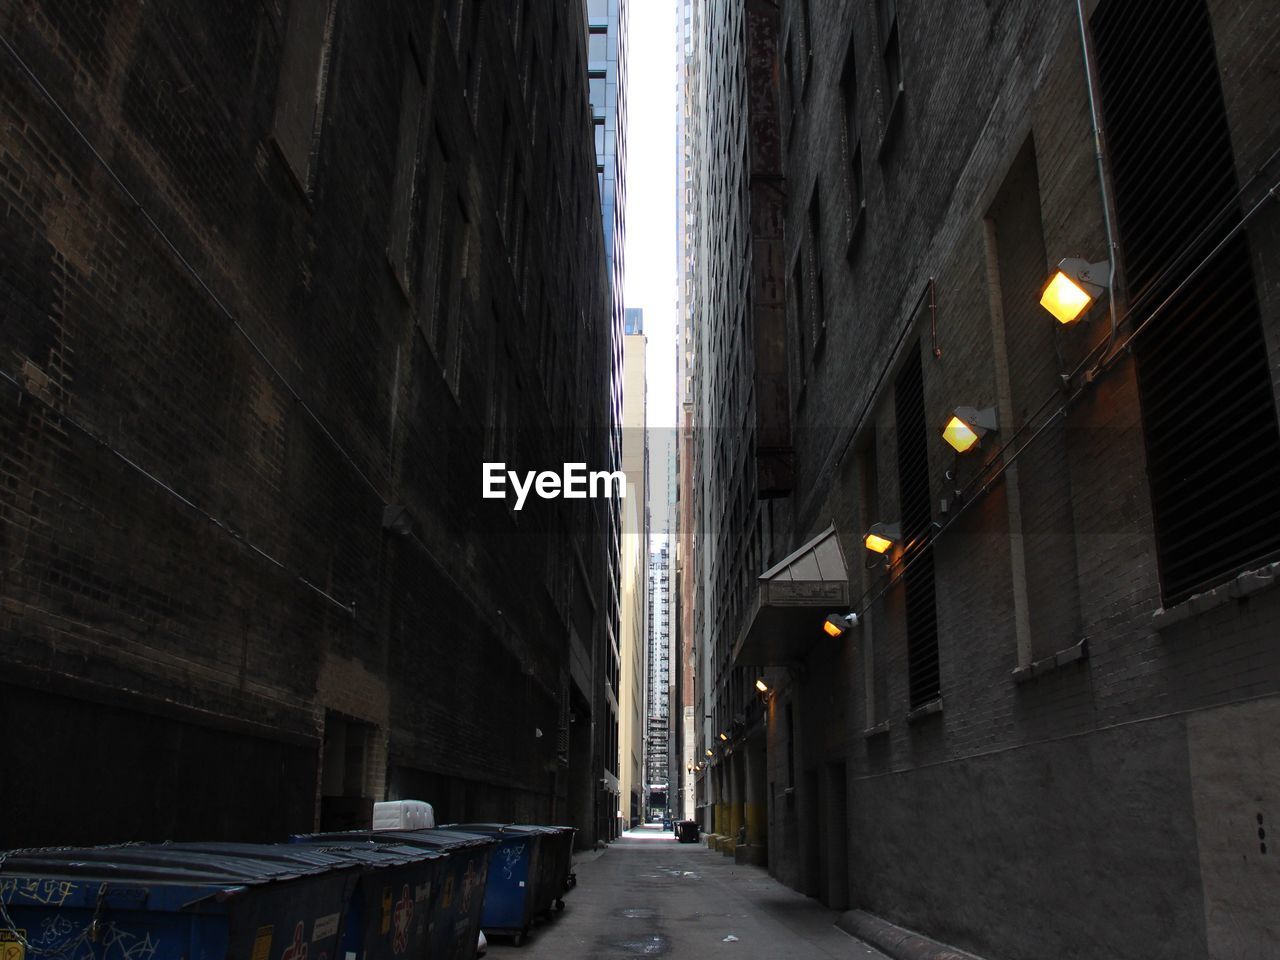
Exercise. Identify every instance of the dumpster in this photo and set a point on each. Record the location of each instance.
(455, 923)
(202, 902)
(687, 831)
(390, 913)
(512, 894)
(555, 866)
(148, 903)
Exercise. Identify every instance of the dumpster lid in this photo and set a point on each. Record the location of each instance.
(427, 838)
(339, 853)
(160, 864)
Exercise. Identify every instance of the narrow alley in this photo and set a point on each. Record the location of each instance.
(647, 896)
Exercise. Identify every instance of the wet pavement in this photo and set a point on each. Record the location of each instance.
(648, 896)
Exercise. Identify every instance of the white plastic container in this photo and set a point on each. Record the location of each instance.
(403, 815)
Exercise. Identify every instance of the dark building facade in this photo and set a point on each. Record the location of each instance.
(607, 91)
(278, 279)
(1051, 731)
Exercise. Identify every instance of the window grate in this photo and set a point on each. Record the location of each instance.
(924, 683)
(1213, 447)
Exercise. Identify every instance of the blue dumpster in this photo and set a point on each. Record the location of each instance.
(510, 894)
(201, 902)
(456, 920)
(555, 865)
(146, 903)
(391, 911)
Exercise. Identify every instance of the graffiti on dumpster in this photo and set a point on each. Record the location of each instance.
(47, 893)
(53, 930)
(403, 918)
(468, 883)
(127, 946)
(297, 950)
(510, 857)
(112, 943)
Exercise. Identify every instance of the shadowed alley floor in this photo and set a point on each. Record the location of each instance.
(649, 896)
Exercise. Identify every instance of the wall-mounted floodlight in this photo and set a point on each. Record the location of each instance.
(709, 752)
(882, 536)
(968, 425)
(724, 736)
(761, 685)
(1073, 288)
(837, 624)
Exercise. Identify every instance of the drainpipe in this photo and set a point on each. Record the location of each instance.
(1104, 184)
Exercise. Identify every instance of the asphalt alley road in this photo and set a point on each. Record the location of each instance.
(648, 896)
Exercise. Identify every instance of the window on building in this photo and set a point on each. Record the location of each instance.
(802, 325)
(1204, 381)
(792, 67)
(803, 22)
(1037, 486)
(438, 175)
(597, 46)
(853, 143)
(454, 264)
(404, 188)
(891, 55)
(453, 20)
(915, 504)
(813, 254)
(303, 84)
(500, 412)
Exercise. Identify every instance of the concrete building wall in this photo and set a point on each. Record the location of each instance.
(329, 258)
(632, 695)
(631, 715)
(1092, 753)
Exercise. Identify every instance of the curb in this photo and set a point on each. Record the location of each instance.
(898, 942)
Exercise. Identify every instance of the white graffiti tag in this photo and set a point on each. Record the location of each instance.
(48, 893)
(510, 857)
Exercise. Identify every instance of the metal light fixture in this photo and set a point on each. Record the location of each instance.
(968, 425)
(882, 536)
(1073, 288)
(724, 736)
(837, 624)
(761, 685)
(709, 752)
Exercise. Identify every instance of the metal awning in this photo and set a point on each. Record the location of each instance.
(792, 599)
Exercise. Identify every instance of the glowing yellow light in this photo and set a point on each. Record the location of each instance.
(831, 629)
(724, 736)
(959, 434)
(708, 752)
(1065, 298)
(762, 686)
(876, 543)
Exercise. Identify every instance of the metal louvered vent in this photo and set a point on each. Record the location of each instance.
(917, 532)
(1213, 447)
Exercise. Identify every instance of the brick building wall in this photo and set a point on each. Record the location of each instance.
(1091, 754)
(273, 292)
